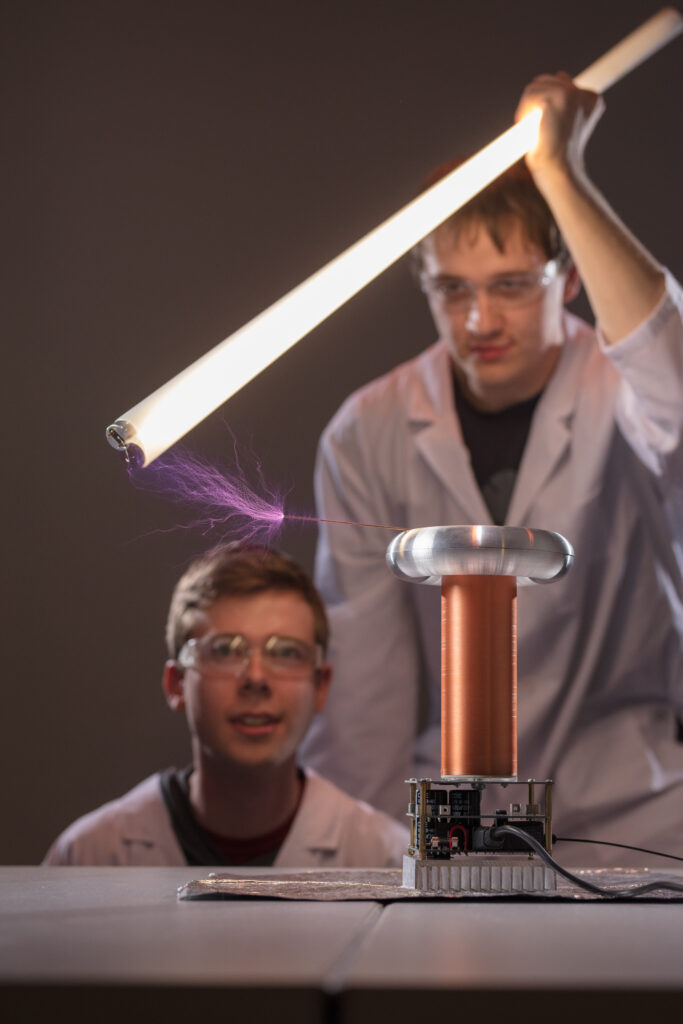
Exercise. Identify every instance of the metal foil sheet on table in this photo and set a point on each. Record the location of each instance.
(384, 885)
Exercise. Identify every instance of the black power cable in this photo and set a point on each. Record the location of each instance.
(511, 830)
(622, 846)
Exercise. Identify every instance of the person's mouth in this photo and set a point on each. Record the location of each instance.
(255, 723)
(490, 353)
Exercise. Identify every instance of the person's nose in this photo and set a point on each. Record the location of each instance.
(483, 317)
(255, 676)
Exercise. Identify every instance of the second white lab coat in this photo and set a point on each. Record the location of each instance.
(600, 663)
(330, 829)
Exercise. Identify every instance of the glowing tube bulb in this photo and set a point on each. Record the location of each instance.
(635, 48)
(160, 420)
(156, 423)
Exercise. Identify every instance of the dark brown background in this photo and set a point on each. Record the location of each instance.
(169, 170)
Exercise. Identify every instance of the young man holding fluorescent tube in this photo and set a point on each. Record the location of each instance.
(523, 415)
(246, 638)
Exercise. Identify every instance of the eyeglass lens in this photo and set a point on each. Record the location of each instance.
(231, 653)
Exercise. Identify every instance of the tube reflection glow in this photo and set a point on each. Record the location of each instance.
(167, 414)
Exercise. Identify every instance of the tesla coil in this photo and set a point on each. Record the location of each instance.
(454, 845)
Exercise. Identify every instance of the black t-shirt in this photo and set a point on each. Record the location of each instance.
(202, 847)
(496, 442)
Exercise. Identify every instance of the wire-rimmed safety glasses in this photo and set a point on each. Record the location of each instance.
(229, 655)
(503, 291)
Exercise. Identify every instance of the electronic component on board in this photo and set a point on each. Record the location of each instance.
(454, 845)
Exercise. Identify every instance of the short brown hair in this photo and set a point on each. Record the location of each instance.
(512, 195)
(232, 570)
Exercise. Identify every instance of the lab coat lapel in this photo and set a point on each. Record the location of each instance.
(450, 461)
(315, 835)
(549, 437)
(438, 437)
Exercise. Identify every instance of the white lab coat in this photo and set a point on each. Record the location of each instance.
(600, 664)
(331, 829)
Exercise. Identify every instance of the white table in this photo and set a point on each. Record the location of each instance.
(102, 944)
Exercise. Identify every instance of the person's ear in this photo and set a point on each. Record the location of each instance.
(172, 684)
(572, 285)
(323, 678)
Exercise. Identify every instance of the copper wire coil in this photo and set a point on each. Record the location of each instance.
(479, 676)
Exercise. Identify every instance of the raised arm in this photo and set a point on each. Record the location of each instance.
(623, 281)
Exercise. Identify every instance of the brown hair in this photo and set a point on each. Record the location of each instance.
(513, 194)
(233, 570)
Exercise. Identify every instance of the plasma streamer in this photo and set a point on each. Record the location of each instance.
(225, 501)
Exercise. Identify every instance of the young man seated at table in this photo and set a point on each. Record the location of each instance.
(246, 636)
